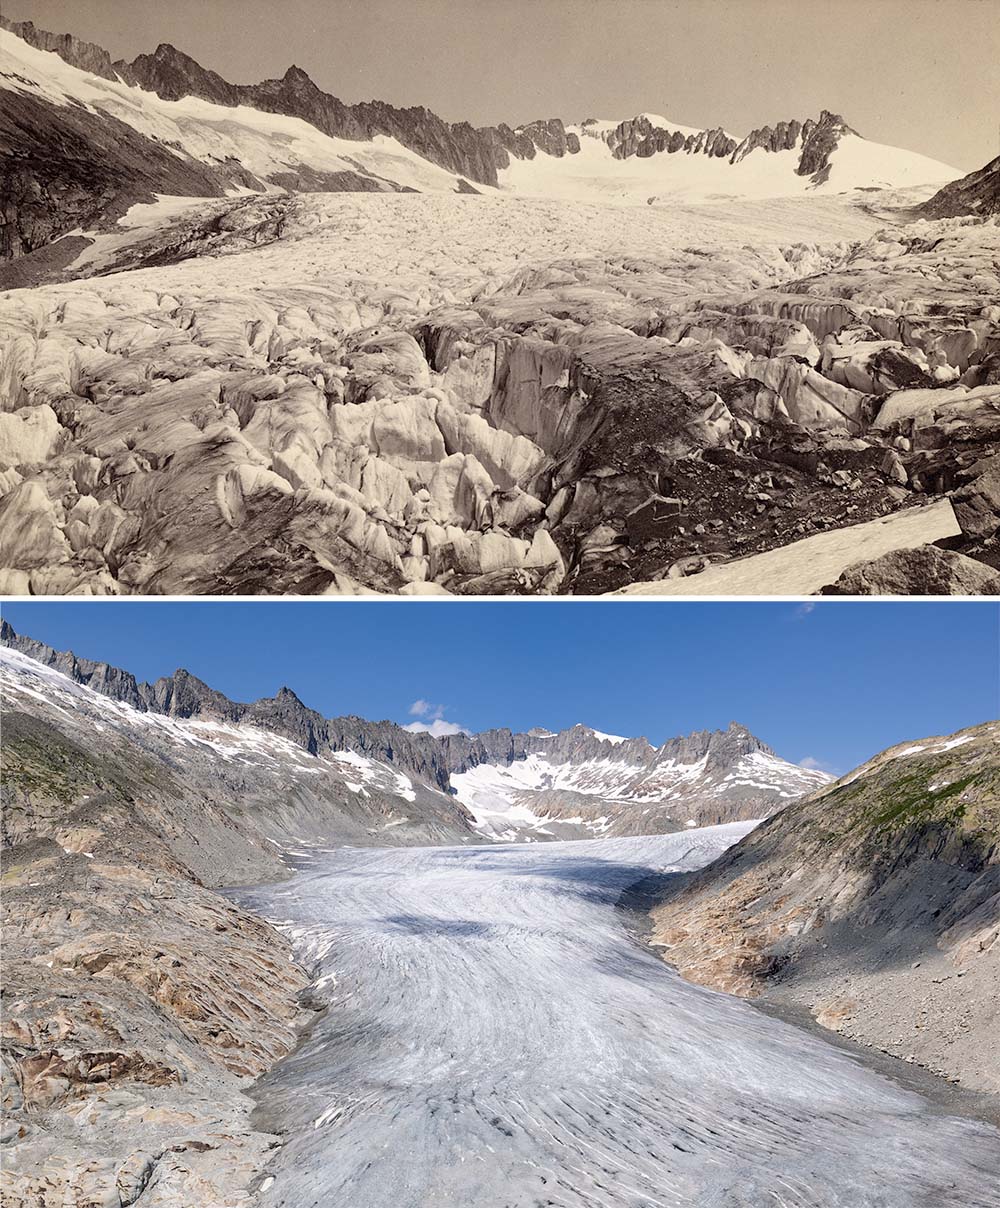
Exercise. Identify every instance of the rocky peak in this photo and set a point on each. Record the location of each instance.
(172, 74)
(87, 56)
(285, 714)
(184, 695)
(819, 141)
(717, 747)
(299, 78)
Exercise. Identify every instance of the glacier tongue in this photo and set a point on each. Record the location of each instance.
(494, 1036)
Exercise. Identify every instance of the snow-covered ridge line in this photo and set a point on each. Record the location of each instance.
(23, 677)
(276, 150)
(577, 783)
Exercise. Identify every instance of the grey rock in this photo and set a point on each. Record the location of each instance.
(925, 571)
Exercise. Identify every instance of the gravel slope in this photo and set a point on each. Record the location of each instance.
(496, 1038)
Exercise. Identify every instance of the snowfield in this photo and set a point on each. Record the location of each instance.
(802, 568)
(493, 1036)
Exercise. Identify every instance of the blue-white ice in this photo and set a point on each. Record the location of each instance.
(496, 1039)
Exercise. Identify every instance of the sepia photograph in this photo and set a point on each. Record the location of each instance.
(498, 297)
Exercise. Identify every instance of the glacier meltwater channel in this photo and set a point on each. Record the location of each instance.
(495, 1037)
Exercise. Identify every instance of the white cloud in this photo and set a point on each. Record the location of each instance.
(817, 765)
(433, 721)
(437, 728)
(804, 609)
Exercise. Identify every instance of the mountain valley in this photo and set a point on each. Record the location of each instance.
(413, 924)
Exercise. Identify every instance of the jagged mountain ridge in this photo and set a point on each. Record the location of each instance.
(112, 139)
(629, 772)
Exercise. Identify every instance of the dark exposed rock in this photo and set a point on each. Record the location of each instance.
(63, 167)
(75, 51)
(638, 136)
(819, 138)
(819, 141)
(977, 194)
(977, 504)
(782, 137)
(172, 75)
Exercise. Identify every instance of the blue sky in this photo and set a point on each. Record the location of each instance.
(830, 682)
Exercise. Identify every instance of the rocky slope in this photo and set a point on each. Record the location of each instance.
(84, 137)
(977, 194)
(299, 777)
(874, 903)
(138, 1005)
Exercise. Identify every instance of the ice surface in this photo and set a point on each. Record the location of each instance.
(494, 1037)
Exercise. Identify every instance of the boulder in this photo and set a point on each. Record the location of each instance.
(924, 571)
(977, 505)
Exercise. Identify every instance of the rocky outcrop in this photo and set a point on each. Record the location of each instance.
(65, 168)
(977, 194)
(819, 141)
(78, 53)
(815, 139)
(639, 137)
(925, 571)
(143, 1005)
(872, 902)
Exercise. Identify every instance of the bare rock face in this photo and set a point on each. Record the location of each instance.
(819, 140)
(977, 194)
(871, 902)
(925, 571)
(977, 504)
(139, 1005)
(75, 51)
(639, 137)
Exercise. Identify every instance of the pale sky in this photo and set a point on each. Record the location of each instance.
(920, 74)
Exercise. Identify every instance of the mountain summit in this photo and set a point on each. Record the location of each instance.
(496, 785)
(71, 110)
